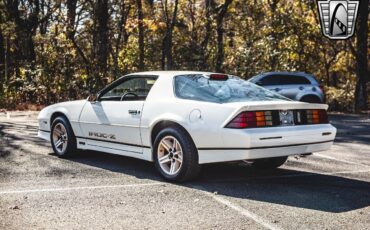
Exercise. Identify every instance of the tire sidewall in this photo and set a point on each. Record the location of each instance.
(71, 142)
(171, 131)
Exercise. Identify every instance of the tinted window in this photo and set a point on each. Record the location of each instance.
(133, 89)
(201, 88)
(284, 80)
(297, 80)
(271, 80)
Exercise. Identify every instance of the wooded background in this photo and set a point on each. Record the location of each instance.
(56, 50)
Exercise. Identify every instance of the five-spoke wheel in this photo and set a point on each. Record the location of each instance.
(175, 155)
(170, 155)
(62, 137)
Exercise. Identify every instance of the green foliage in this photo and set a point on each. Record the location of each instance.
(340, 99)
(258, 36)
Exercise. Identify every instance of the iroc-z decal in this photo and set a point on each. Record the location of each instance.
(102, 135)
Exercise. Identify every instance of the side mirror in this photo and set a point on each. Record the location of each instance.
(92, 98)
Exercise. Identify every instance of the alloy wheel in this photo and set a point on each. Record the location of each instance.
(170, 155)
(60, 138)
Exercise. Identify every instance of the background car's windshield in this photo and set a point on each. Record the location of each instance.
(234, 89)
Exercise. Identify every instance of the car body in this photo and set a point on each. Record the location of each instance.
(298, 86)
(174, 105)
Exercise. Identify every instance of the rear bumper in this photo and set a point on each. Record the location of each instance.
(222, 154)
(268, 142)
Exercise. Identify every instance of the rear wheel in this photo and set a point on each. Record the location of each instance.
(311, 99)
(63, 140)
(269, 163)
(175, 155)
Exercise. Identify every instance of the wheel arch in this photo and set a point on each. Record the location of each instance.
(56, 114)
(158, 126)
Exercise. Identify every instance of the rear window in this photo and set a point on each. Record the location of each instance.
(201, 88)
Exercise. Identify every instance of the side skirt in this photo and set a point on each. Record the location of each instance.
(139, 152)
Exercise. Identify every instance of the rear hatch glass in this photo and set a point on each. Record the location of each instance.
(233, 89)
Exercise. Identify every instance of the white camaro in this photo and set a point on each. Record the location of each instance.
(182, 119)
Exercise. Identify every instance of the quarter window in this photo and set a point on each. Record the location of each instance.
(132, 89)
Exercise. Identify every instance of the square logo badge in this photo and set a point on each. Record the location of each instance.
(338, 18)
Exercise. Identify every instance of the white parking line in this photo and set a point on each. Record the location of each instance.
(348, 172)
(253, 216)
(314, 174)
(340, 160)
(239, 209)
(78, 188)
(303, 174)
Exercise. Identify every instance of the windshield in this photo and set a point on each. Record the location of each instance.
(198, 87)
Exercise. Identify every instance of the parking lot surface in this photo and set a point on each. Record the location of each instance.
(93, 190)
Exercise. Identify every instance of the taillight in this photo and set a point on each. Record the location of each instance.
(251, 119)
(316, 116)
(322, 88)
(218, 77)
(256, 119)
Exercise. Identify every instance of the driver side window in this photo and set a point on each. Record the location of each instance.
(133, 89)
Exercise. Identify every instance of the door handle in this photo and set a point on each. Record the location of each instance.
(301, 88)
(277, 89)
(134, 112)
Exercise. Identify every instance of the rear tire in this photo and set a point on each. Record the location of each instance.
(175, 155)
(63, 140)
(311, 99)
(269, 163)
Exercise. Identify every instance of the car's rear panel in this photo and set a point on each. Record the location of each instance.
(307, 132)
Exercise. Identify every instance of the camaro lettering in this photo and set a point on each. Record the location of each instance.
(102, 135)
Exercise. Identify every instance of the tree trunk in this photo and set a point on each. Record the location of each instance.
(207, 36)
(71, 17)
(361, 58)
(122, 38)
(167, 61)
(141, 34)
(100, 44)
(274, 39)
(220, 35)
(25, 29)
(2, 60)
(70, 33)
(26, 47)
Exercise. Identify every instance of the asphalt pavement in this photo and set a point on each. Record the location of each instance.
(93, 190)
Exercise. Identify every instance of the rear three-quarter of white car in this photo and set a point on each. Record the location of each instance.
(185, 119)
(207, 124)
(224, 132)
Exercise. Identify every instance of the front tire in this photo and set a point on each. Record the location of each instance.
(175, 155)
(63, 140)
(269, 163)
